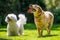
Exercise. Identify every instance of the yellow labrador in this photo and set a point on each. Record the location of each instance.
(43, 19)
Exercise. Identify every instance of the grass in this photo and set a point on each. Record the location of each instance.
(31, 34)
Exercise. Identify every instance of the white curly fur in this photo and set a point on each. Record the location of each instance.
(12, 27)
(21, 22)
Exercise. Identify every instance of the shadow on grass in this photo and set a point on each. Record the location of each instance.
(29, 26)
(4, 39)
(32, 26)
(49, 35)
(3, 30)
(56, 27)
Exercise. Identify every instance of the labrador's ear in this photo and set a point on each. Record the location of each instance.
(30, 6)
(39, 9)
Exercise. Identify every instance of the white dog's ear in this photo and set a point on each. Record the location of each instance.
(14, 18)
(6, 20)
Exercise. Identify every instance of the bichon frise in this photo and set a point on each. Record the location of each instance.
(12, 28)
(21, 22)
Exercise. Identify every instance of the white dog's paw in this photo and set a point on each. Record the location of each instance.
(22, 34)
(18, 34)
(8, 34)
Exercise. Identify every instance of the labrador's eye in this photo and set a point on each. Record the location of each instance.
(35, 6)
(30, 6)
(33, 10)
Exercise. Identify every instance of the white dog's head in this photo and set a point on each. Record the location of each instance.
(22, 18)
(11, 18)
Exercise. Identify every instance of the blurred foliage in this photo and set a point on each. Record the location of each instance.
(21, 6)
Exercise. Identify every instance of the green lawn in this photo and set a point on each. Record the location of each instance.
(31, 34)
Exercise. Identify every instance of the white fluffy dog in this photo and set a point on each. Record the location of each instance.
(21, 22)
(12, 28)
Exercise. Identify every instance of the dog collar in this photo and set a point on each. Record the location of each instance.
(37, 16)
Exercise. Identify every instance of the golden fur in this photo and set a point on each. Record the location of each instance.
(43, 19)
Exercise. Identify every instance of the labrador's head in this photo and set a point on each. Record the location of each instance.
(34, 8)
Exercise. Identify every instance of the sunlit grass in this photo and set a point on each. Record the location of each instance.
(31, 34)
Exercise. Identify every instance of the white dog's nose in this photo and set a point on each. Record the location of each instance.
(8, 19)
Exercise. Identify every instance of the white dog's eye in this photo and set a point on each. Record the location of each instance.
(12, 17)
(8, 18)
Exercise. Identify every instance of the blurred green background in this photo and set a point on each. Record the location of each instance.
(21, 6)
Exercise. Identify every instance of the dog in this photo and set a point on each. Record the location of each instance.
(43, 19)
(12, 27)
(21, 22)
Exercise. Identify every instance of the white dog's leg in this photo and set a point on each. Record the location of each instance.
(22, 30)
(8, 33)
